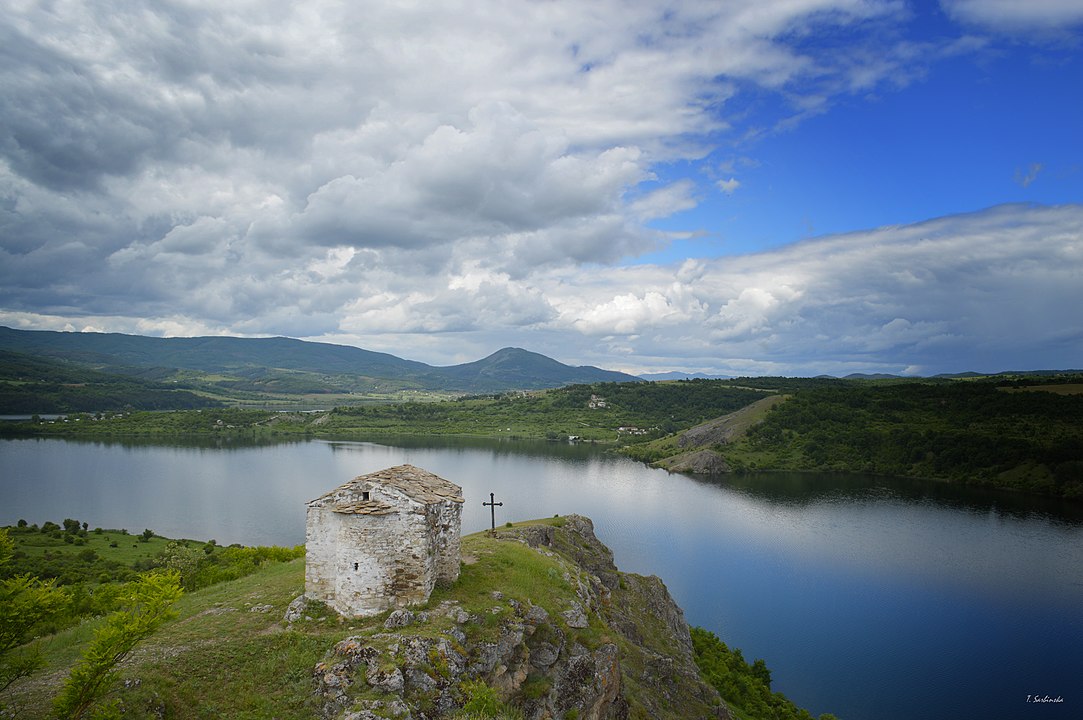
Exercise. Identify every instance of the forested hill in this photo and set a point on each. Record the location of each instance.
(1023, 433)
(286, 365)
(31, 385)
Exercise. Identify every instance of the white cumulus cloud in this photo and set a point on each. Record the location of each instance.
(441, 179)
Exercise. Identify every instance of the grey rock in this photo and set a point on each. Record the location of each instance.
(419, 681)
(296, 609)
(399, 619)
(543, 655)
(536, 615)
(379, 710)
(575, 616)
(388, 681)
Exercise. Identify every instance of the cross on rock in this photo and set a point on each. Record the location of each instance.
(492, 504)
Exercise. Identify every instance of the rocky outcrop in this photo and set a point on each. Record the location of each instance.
(616, 647)
(697, 444)
(699, 462)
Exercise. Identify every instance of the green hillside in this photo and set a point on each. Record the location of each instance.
(255, 368)
(38, 385)
(1015, 433)
(236, 649)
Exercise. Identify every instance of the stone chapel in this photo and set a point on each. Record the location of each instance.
(383, 540)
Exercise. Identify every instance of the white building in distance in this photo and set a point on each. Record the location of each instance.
(383, 540)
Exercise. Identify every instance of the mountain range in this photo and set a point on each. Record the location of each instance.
(288, 365)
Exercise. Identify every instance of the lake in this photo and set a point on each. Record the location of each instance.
(871, 598)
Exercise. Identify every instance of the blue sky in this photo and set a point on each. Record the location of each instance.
(741, 187)
(996, 125)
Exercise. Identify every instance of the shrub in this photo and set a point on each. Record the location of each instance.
(149, 604)
(480, 699)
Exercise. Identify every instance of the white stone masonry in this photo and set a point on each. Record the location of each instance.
(383, 540)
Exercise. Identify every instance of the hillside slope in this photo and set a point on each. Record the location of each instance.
(695, 450)
(30, 384)
(297, 363)
(540, 619)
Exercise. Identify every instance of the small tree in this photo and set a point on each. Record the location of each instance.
(183, 560)
(25, 602)
(150, 603)
(147, 535)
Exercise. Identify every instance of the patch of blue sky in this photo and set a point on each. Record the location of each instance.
(996, 125)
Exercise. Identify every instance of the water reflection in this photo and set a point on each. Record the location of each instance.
(805, 487)
(496, 446)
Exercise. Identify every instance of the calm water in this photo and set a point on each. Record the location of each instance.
(868, 598)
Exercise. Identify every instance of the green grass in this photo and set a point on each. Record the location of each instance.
(524, 572)
(218, 658)
(85, 557)
(129, 548)
(221, 659)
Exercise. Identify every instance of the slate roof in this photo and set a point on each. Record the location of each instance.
(420, 485)
(363, 507)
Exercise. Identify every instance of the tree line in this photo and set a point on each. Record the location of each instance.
(978, 432)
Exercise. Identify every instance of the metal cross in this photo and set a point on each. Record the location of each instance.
(492, 510)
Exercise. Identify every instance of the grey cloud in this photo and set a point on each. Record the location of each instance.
(71, 135)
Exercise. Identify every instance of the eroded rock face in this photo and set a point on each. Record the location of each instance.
(699, 462)
(423, 675)
(534, 659)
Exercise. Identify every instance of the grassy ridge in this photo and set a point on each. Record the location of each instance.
(229, 654)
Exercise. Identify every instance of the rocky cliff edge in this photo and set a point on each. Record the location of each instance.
(541, 620)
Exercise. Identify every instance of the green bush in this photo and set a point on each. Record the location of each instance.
(743, 686)
(480, 702)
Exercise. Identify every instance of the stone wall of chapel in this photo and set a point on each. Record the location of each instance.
(363, 564)
(381, 563)
(446, 546)
(321, 532)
